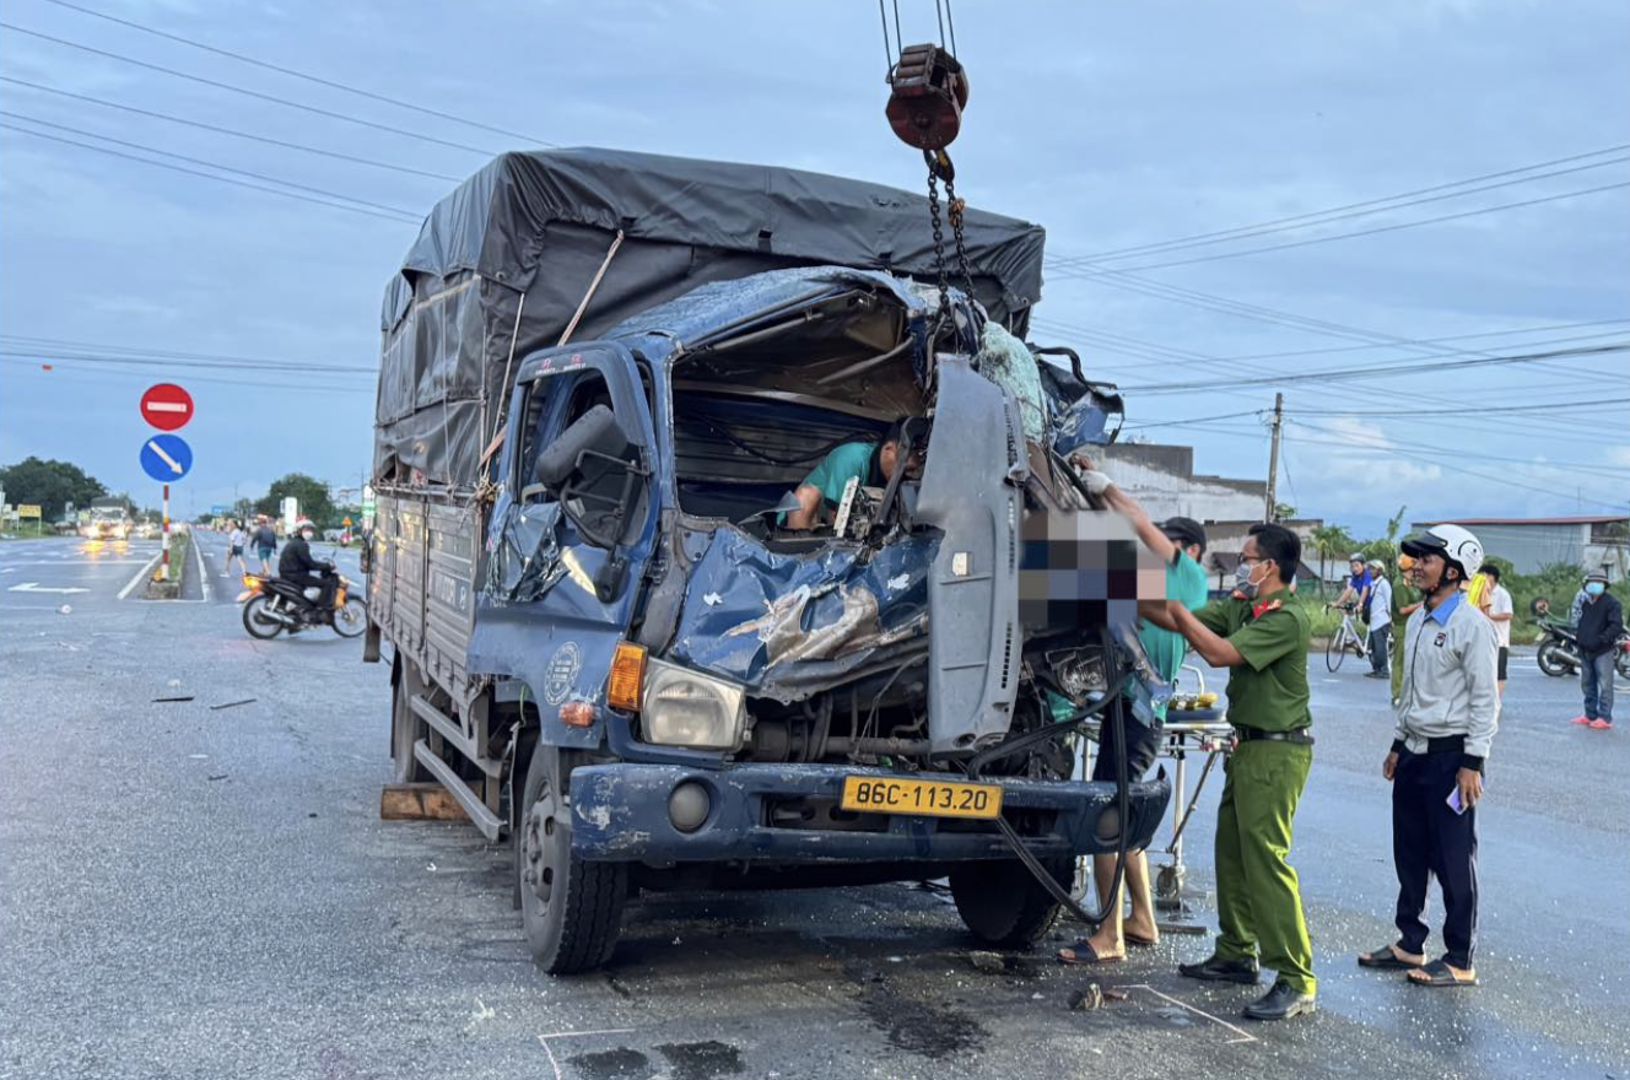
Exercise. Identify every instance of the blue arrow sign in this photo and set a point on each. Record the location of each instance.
(166, 458)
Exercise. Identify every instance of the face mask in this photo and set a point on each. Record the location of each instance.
(308, 535)
(1243, 582)
(1596, 588)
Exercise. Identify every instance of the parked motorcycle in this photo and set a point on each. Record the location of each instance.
(272, 605)
(1558, 648)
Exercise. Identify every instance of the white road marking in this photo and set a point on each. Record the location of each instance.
(36, 587)
(203, 575)
(152, 444)
(140, 574)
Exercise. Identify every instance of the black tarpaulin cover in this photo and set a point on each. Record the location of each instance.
(501, 264)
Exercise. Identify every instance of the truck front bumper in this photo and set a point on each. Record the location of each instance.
(621, 813)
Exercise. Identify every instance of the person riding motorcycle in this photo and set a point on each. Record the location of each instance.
(297, 566)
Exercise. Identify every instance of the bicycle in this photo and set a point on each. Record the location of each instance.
(1346, 638)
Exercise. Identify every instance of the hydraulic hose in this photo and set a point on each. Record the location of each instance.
(1122, 800)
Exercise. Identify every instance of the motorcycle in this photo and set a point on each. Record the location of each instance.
(272, 605)
(1559, 647)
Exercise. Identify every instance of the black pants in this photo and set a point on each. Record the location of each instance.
(1430, 840)
(324, 582)
(1380, 648)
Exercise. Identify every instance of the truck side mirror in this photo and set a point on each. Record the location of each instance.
(590, 445)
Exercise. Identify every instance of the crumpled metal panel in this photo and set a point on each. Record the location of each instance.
(969, 492)
(524, 561)
(787, 626)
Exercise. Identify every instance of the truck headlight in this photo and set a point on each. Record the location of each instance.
(681, 707)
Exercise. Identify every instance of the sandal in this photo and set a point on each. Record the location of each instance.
(1082, 952)
(1439, 973)
(1386, 958)
(1140, 942)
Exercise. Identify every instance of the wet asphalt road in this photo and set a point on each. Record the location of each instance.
(189, 892)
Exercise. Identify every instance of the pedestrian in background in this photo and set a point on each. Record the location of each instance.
(1260, 633)
(265, 541)
(1380, 620)
(1498, 607)
(1601, 623)
(1446, 722)
(236, 539)
(1408, 601)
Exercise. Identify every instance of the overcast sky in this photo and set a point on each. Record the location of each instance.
(1117, 126)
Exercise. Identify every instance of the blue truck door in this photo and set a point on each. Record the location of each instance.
(562, 566)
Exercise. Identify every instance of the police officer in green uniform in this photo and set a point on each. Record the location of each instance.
(1260, 633)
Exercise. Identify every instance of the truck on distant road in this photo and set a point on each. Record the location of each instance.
(109, 520)
(603, 374)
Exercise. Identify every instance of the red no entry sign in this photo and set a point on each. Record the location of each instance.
(166, 406)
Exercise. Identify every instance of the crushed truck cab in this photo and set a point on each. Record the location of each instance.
(610, 644)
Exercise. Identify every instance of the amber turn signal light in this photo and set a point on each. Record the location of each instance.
(627, 677)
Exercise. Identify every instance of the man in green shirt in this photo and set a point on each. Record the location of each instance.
(871, 463)
(1260, 633)
(1180, 542)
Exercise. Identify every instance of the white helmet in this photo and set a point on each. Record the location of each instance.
(1456, 544)
(1357, 557)
(304, 524)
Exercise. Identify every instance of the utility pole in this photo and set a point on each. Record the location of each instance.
(1273, 458)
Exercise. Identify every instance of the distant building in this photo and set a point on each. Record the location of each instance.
(1531, 544)
(1162, 478)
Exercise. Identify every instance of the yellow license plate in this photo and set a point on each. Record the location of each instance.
(930, 798)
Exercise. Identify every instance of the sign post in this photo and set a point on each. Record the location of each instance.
(166, 458)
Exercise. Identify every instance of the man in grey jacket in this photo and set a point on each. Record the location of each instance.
(1447, 713)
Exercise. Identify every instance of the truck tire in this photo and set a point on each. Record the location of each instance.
(571, 910)
(1004, 905)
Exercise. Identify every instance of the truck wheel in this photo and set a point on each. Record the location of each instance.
(1003, 904)
(405, 730)
(571, 910)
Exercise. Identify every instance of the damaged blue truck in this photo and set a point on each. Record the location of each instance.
(603, 374)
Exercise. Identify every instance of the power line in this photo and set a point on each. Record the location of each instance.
(1412, 364)
(205, 175)
(1472, 410)
(163, 354)
(247, 92)
(1189, 420)
(1286, 223)
(373, 162)
(1481, 456)
(1370, 445)
(409, 214)
(101, 375)
(54, 356)
(307, 76)
(1362, 232)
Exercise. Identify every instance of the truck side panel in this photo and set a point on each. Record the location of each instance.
(451, 540)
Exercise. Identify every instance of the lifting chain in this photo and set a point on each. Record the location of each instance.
(940, 168)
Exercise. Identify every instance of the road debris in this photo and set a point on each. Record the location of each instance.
(1087, 999)
(232, 704)
(988, 962)
(65, 609)
(172, 698)
(218, 776)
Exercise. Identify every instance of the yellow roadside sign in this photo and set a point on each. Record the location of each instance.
(28, 510)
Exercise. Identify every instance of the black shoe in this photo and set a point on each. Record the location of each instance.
(1280, 1003)
(1377, 675)
(1212, 969)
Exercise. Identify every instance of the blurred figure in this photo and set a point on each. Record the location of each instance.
(1601, 622)
(1497, 606)
(1380, 620)
(265, 540)
(236, 539)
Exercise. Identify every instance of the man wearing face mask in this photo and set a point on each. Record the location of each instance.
(1260, 633)
(296, 564)
(1601, 622)
(1447, 716)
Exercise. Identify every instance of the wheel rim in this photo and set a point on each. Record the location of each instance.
(351, 619)
(537, 876)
